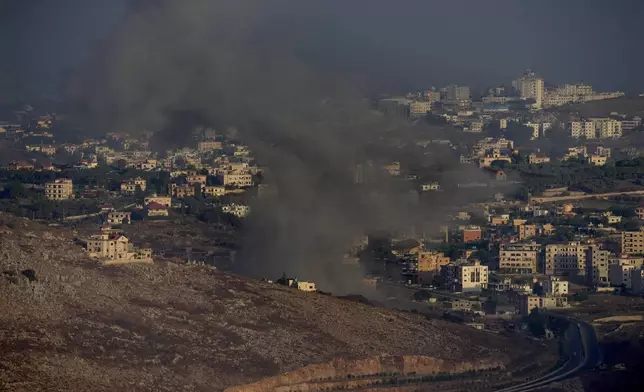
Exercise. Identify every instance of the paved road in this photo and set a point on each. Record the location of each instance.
(585, 355)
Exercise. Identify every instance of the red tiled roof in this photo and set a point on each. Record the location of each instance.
(156, 206)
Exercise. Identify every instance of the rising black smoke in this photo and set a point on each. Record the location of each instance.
(257, 65)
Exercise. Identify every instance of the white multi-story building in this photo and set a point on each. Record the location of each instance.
(470, 277)
(596, 128)
(531, 86)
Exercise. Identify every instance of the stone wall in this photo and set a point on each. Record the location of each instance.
(344, 372)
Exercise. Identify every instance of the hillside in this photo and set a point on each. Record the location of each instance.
(70, 324)
(626, 105)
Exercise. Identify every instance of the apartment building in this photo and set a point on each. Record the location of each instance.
(116, 249)
(457, 94)
(419, 108)
(209, 145)
(429, 265)
(181, 191)
(585, 129)
(465, 277)
(432, 96)
(215, 191)
(537, 159)
(238, 179)
(483, 146)
(597, 260)
(130, 186)
(526, 231)
(596, 128)
(620, 274)
(60, 189)
(519, 258)
(119, 218)
(607, 127)
(494, 155)
(632, 242)
(566, 259)
(530, 86)
(197, 179)
(471, 234)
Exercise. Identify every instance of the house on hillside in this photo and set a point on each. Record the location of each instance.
(115, 248)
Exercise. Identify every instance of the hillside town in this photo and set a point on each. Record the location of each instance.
(558, 212)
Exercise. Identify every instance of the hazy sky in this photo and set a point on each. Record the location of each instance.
(394, 43)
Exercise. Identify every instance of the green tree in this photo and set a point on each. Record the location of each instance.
(518, 133)
(536, 323)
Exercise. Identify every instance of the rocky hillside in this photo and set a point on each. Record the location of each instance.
(70, 324)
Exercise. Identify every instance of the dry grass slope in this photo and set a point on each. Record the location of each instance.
(80, 326)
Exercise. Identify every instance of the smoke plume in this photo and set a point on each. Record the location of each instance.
(266, 68)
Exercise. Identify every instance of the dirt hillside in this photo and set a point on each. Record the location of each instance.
(70, 324)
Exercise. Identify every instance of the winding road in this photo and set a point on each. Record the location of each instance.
(584, 350)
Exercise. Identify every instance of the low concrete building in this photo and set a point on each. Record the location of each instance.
(130, 186)
(529, 302)
(215, 191)
(239, 210)
(181, 191)
(155, 209)
(303, 286)
(238, 179)
(429, 265)
(119, 218)
(163, 200)
(197, 179)
(555, 287)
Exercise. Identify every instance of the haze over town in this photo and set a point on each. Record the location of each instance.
(468, 170)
